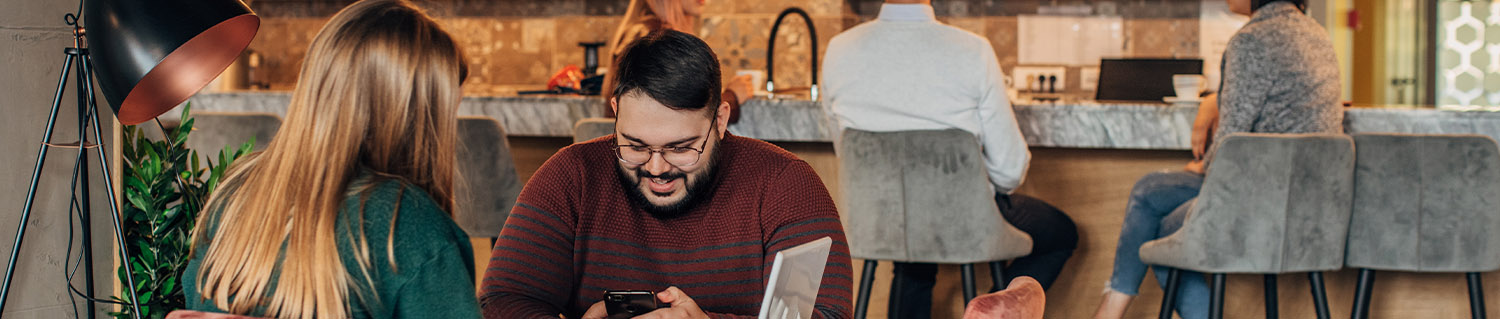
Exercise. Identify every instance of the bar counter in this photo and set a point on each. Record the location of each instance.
(1071, 125)
(1085, 159)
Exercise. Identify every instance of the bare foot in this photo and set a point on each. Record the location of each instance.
(1113, 306)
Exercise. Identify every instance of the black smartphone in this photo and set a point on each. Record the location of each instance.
(625, 304)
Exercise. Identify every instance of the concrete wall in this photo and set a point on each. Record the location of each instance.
(32, 38)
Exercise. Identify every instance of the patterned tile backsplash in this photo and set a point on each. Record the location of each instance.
(513, 44)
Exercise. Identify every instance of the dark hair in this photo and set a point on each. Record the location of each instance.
(1256, 4)
(674, 68)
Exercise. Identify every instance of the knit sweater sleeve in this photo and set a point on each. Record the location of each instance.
(531, 272)
(798, 211)
(1247, 81)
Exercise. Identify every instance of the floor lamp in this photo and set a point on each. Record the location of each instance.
(147, 57)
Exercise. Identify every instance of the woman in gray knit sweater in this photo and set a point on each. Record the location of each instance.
(1280, 75)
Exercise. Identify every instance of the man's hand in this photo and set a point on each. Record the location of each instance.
(682, 306)
(596, 311)
(1204, 125)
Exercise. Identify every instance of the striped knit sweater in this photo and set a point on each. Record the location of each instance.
(573, 235)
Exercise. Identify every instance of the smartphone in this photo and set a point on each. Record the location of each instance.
(625, 304)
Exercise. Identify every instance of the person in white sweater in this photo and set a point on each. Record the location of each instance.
(907, 71)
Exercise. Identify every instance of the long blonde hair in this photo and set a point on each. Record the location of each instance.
(644, 16)
(378, 91)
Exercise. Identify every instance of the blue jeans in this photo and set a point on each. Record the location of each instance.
(1158, 205)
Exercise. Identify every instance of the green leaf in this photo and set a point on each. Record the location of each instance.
(171, 284)
(146, 253)
(182, 132)
(245, 148)
(195, 167)
(186, 108)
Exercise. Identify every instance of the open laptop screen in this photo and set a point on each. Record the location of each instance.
(795, 278)
(1141, 79)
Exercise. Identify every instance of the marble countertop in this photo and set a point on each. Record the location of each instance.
(1067, 125)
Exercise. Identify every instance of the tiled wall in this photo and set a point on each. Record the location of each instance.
(519, 43)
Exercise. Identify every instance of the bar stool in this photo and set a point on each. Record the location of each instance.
(1270, 204)
(213, 131)
(487, 183)
(590, 128)
(922, 196)
(1425, 203)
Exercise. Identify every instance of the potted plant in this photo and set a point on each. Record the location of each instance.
(165, 187)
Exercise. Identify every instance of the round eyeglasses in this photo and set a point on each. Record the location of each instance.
(676, 156)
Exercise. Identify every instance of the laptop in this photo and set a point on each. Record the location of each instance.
(1141, 80)
(796, 275)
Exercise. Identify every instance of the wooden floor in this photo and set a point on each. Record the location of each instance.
(1091, 186)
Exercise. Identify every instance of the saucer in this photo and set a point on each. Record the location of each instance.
(1174, 99)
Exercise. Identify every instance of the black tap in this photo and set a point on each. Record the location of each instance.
(771, 50)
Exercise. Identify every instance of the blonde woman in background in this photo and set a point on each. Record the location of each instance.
(345, 213)
(644, 16)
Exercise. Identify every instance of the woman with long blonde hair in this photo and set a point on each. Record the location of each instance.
(345, 213)
(644, 16)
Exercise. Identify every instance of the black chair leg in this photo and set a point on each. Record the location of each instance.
(1320, 298)
(1362, 294)
(865, 281)
(1169, 297)
(1216, 298)
(1476, 296)
(1272, 309)
(895, 302)
(997, 275)
(968, 274)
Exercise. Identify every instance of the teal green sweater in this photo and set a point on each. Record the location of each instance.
(434, 274)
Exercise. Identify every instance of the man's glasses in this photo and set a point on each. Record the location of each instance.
(677, 156)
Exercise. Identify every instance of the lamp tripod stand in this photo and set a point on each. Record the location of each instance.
(88, 118)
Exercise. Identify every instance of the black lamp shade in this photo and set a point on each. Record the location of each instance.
(150, 55)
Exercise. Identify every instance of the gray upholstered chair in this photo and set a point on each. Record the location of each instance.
(1270, 204)
(487, 183)
(922, 196)
(1425, 203)
(213, 131)
(590, 128)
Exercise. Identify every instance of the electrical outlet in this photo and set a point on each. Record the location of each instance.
(1024, 78)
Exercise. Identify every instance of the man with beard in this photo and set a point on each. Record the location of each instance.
(671, 203)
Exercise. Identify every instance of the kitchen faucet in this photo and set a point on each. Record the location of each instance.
(771, 50)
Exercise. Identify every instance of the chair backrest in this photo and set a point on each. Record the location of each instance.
(1022, 299)
(487, 182)
(213, 131)
(922, 196)
(590, 128)
(1425, 203)
(1270, 203)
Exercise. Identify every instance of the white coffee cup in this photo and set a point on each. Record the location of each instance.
(1187, 86)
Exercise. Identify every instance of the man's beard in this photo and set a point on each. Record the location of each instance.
(695, 189)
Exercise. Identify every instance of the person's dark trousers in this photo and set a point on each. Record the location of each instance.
(1053, 239)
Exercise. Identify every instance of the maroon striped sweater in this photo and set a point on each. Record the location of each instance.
(573, 234)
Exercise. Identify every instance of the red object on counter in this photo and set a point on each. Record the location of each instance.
(568, 77)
